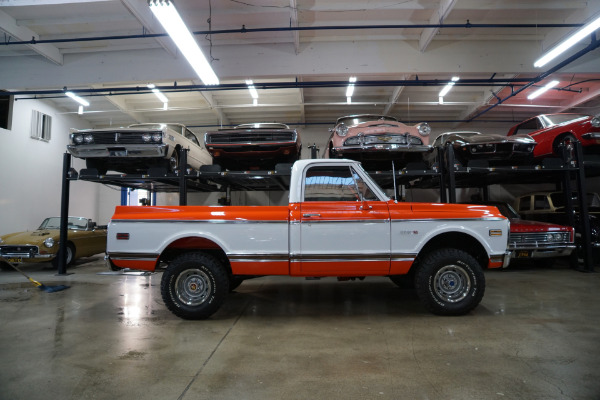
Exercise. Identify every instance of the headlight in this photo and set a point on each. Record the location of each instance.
(49, 242)
(341, 129)
(146, 137)
(424, 129)
(77, 139)
(157, 137)
(88, 138)
(595, 122)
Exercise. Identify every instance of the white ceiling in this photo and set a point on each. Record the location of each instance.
(402, 59)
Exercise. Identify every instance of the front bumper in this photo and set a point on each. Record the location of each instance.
(382, 147)
(108, 151)
(18, 257)
(524, 252)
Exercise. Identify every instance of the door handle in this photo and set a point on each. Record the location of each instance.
(311, 215)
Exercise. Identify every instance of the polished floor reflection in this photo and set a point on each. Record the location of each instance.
(535, 336)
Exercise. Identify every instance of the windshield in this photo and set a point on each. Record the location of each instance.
(73, 223)
(506, 210)
(359, 119)
(557, 119)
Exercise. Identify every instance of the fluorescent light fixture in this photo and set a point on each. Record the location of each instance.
(167, 15)
(441, 100)
(448, 86)
(77, 99)
(254, 102)
(252, 89)
(568, 43)
(80, 110)
(165, 106)
(349, 99)
(158, 93)
(542, 90)
(350, 88)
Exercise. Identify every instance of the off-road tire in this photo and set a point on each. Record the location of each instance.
(450, 282)
(194, 286)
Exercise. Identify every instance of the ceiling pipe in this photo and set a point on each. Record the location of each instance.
(592, 46)
(467, 25)
(115, 91)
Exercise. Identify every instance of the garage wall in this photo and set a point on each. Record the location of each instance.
(31, 171)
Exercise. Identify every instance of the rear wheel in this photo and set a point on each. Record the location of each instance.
(194, 286)
(568, 141)
(450, 282)
(70, 257)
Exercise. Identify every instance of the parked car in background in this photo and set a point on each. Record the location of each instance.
(254, 146)
(552, 130)
(377, 140)
(550, 207)
(534, 240)
(496, 149)
(138, 147)
(84, 239)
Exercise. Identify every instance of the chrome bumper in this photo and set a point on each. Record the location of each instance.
(129, 150)
(382, 147)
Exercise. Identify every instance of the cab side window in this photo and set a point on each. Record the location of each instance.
(528, 127)
(330, 183)
(541, 203)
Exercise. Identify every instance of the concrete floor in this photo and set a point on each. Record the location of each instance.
(535, 336)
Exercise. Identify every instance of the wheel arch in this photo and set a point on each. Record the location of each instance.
(187, 244)
(457, 240)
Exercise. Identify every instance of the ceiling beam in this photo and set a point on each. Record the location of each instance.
(394, 97)
(215, 108)
(294, 24)
(438, 17)
(21, 33)
(121, 103)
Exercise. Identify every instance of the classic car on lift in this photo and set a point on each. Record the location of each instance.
(550, 207)
(496, 149)
(541, 242)
(84, 239)
(377, 140)
(552, 130)
(254, 146)
(138, 147)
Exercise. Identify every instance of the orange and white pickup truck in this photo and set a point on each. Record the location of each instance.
(338, 223)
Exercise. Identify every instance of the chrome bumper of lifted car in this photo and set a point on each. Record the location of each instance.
(17, 258)
(541, 251)
(389, 147)
(129, 150)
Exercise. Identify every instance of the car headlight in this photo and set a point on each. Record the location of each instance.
(146, 137)
(341, 129)
(77, 139)
(157, 137)
(595, 122)
(49, 242)
(424, 129)
(88, 138)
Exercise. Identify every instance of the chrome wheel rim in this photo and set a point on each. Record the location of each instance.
(69, 256)
(193, 287)
(452, 283)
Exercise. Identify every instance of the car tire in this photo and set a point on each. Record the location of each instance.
(173, 161)
(566, 140)
(194, 286)
(450, 282)
(70, 258)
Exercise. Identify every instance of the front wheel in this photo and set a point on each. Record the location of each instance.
(450, 282)
(194, 286)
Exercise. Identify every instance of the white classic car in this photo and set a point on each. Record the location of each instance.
(136, 148)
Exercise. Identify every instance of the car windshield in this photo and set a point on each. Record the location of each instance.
(263, 125)
(73, 223)
(557, 119)
(506, 210)
(359, 119)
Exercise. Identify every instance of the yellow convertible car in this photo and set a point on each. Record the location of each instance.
(85, 239)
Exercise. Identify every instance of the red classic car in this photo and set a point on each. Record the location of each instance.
(551, 130)
(253, 146)
(539, 241)
(376, 140)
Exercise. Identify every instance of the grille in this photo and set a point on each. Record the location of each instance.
(261, 137)
(532, 238)
(8, 250)
(119, 137)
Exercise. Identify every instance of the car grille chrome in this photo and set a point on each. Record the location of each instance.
(255, 137)
(516, 240)
(18, 251)
(120, 137)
